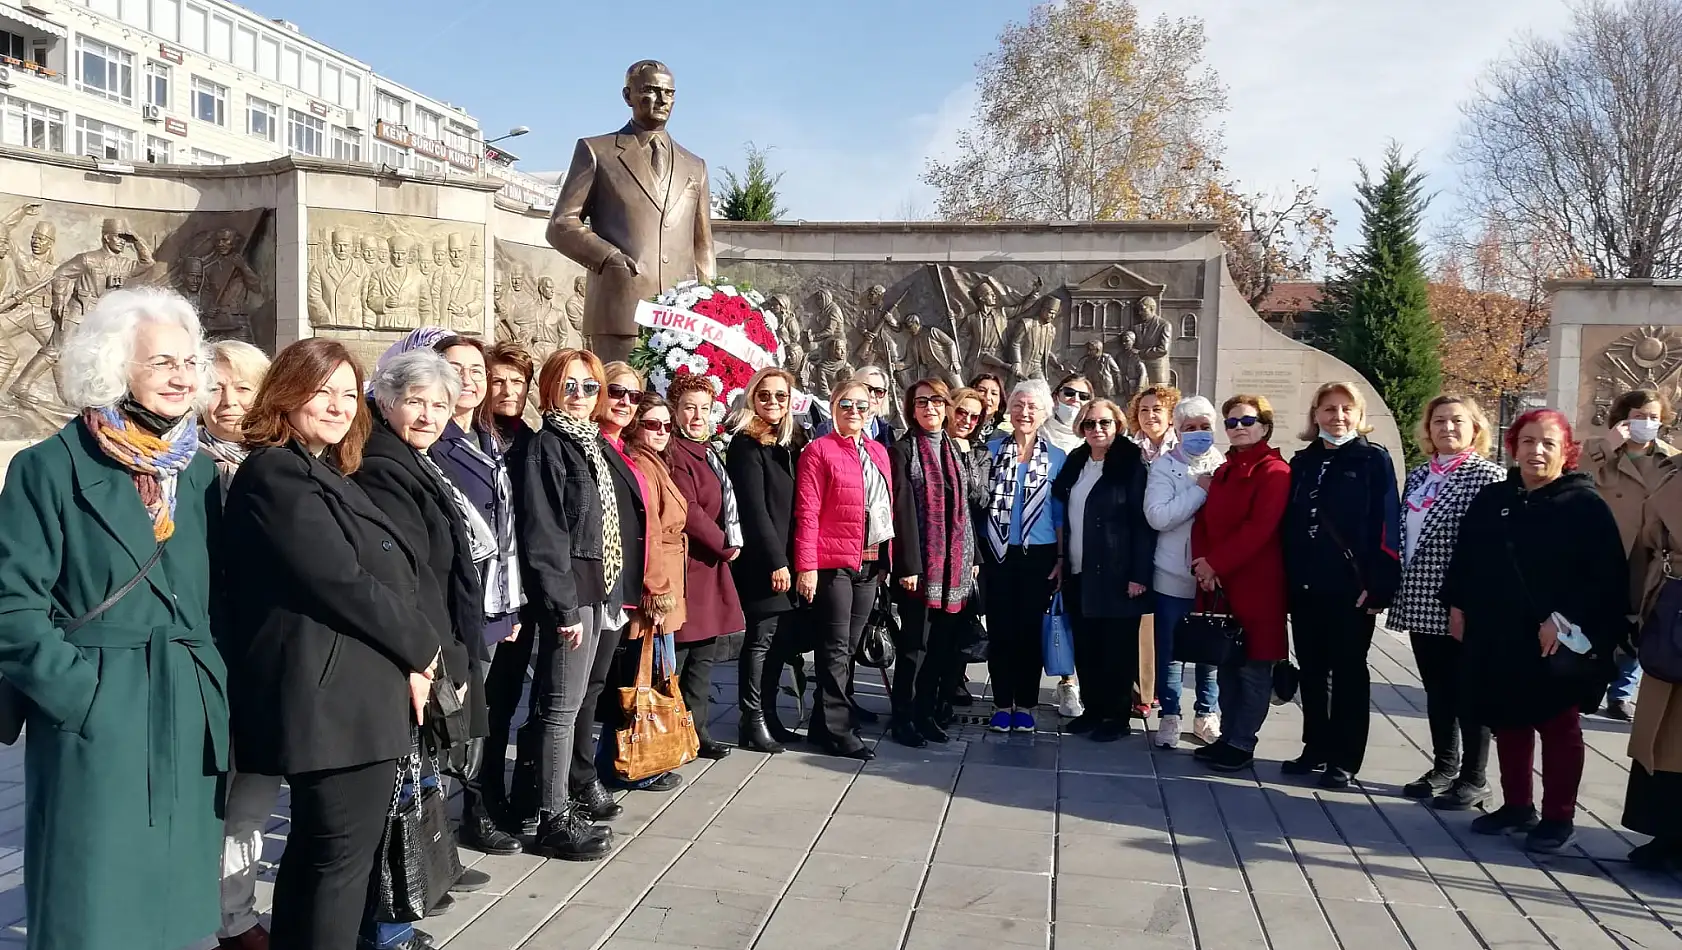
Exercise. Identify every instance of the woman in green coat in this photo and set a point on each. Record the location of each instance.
(126, 714)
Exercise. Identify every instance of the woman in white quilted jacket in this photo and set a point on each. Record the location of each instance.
(1176, 489)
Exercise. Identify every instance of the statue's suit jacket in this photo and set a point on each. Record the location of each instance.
(609, 202)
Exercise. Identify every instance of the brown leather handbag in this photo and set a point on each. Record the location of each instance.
(659, 731)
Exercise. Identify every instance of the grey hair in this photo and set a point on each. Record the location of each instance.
(94, 367)
(863, 371)
(421, 369)
(1036, 389)
(1194, 407)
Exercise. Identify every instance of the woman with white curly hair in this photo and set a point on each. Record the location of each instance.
(105, 639)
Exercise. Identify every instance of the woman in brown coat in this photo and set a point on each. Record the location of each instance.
(1655, 742)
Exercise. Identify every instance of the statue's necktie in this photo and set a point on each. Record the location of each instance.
(657, 159)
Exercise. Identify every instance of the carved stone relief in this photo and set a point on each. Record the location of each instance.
(393, 273)
(1647, 357)
(57, 259)
(539, 299)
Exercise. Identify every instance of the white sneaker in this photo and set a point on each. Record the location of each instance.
(1168, 732)
(1068, 699)
(1207, 728)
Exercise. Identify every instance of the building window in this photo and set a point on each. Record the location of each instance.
(202, 157)
(262, 119)
(347, 145)
(11, 44)
(158, 150)
(30, 125)
(306, 134)
(460, 137)
(105, 70)
(210, 101)
(103, 140)
(427, 124)
(428, 166)
(390, 155)
(157, 83)
(389, 108)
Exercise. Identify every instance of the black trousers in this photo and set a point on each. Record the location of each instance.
(326, 872)
(1018, 591)
(757, 676)
(1458, 745)
(695, 678)
(841, 607)
(505, 680)
(1106, 656)
(1332, 642)
(608, 649)
(925, 658)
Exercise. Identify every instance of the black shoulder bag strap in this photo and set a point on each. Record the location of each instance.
(116, 595)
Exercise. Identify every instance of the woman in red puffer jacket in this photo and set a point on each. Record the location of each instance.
(843, 517)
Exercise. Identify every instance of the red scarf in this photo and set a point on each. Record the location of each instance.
(946, 531)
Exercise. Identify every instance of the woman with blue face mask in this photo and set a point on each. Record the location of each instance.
(1624, 464)
(1342, 539)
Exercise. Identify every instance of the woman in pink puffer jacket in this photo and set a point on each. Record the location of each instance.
(843, 517)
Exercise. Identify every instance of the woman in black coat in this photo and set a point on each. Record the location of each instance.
(1108, 553)
(1342, 537)
(330, 658)
(761, 465)
(1537, 554)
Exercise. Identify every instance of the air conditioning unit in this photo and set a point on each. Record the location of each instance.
(5, 77)
(353, 120)
(152, 112)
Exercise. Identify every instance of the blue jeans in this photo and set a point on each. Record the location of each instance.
(1170, 676)
(383, 936)
(1622, 689)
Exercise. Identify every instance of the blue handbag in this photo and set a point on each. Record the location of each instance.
(1055, 641)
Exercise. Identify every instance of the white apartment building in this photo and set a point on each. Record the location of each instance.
(209, 82)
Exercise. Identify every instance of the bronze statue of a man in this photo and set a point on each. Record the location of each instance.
(648, 205)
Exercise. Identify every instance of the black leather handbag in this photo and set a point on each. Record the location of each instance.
(1212, 636)
(418, 862)
(445, 734)
(876, 645)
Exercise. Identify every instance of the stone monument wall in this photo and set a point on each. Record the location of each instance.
(1610, 336)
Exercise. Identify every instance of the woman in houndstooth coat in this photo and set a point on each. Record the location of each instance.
(1434, 501)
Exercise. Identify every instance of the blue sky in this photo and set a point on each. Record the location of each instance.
(853, 96)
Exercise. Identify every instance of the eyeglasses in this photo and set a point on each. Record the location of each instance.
(616, 391)
(964, 415)
(1070, 392)
(1087, 425)
(877, 391)
(1241, 422)
(470, 372)
(772, 395)
(924, 402)
(853, 405)
(656, 425)
(588, 387)
(171, 365)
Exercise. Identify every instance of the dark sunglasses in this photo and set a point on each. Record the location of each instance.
(924, 402)
(655, 425)
(616, 391)
(966, 415)
(1243, 422)
(853, 405)
(771, 395)
(877, 391)
(1069, 392)
(1087, 425)
(589, 387)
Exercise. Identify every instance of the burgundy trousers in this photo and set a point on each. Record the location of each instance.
(1562, 764)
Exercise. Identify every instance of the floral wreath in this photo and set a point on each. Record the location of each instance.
(737, 315)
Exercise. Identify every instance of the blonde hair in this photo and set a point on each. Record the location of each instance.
(952, 414)
(1482, 439)
(857, 381)
(610, 372)
(247, 363)
(1348, 389)
(743, 415)
(1115, 410)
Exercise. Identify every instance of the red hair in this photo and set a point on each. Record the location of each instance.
(1572, 449)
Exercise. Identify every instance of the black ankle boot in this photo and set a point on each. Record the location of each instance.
(570, 837)
(905, 733)
(756, 735)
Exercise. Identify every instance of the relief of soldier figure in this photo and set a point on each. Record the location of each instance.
(403, 277)
(538, 302)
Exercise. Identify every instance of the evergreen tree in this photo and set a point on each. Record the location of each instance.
(753, 196)
(1378, 307)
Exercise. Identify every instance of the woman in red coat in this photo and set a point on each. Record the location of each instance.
(1235, 549)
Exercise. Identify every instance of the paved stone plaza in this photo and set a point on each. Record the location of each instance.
(1055, 842)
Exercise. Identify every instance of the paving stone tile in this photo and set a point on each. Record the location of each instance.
(884, 798)
(1399, 877)
(696, 917)
(639, 863)
(947, 930)
(527, 905)
(896, 839)
(1270, 865)
(740, 823)
(822, 925)
(1133, 906)
(1109, 818)
(735, 867)
(983, 891)
(849, 879)
(1224, 920)
(815, 796)
(1126, 791)
(1500, 931)
(1439, 928)
(1364, 925)
(575, 925)
(1037, 753)
(1296, 922)
(1011, 817)
(1334, 871)
(999, 848)
(1088, 937)
(1209, 862)
(1144, 857)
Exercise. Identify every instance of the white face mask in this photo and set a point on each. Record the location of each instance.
(1643, 431)
(1065, 413)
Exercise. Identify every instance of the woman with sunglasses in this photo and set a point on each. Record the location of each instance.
(968, 411)
(566, 511)
(1342, 535)
(933, 562)
(1068, 397)
(1239, 565)
(1108, 554)
(714, 529)
(992, 391)
(843, 519)
(1020, 564)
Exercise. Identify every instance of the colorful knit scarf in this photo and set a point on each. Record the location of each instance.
(154, 462)
(948, 546)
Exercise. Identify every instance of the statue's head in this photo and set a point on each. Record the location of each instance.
(1050, 308)
(192, 275)
(986, 295)
(516, 280)
(401, 249)
(1128, 339)
(834, 349)
(1147, 308)
(440, 253)
(1094, 347)
(496, 288)
(914, 324)
(370, 249)
(41, 240)
(383, 249)
(340, 242)
(111, 232)
(874, 295)
(649, 91)
(457, 251)
(226, 240)
(779, 304)
(546, 287)
(578, 284)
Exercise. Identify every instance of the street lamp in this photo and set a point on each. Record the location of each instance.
(514, 132)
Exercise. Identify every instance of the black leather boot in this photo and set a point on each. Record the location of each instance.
(570, 837)
(597, 802)
(756, 735)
